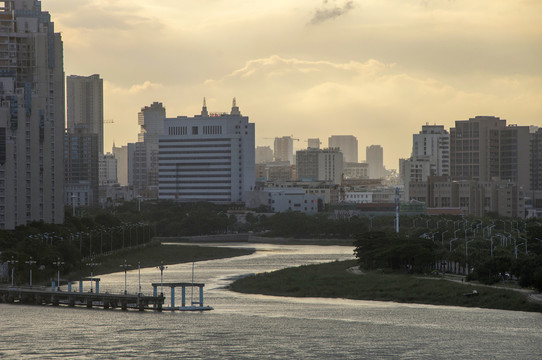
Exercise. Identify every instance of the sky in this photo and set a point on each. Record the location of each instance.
(375, 69)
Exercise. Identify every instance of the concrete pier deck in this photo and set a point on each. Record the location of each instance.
(46, 295)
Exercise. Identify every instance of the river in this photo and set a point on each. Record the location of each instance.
(263, 327)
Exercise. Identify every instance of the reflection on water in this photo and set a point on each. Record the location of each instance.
(253, 326)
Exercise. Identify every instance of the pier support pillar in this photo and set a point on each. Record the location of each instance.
(80, 286)
(69, 286)
(97, 286)
(201, 296)
(173, 296)
(53, 287)
(183, 298)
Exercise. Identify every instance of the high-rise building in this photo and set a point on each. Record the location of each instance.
(151, 119)
(108, 170)
(348, 145)
(284, 149)
(31, 116)
(208, 157)
(536, 159)
(81, 167)
(85, 105)
(483, 148)
(313, 143)
(430, 156)
(125, 162)
(264, 154)
(375, 158)
(433, 142)
(320, 164)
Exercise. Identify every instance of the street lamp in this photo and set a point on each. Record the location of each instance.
(92, 266)
(139, 276)
(467, 254)
(73, 204)
(138, 203)
(451, 241)
(125, 266)
(162, 267)
(58, 263)
(30, 262)
(12, 262)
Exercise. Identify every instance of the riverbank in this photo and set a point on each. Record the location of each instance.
(332, 280)
(154, 254)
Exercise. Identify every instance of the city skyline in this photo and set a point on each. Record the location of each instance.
(313, 68)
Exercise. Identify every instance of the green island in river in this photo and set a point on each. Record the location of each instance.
(334, 280)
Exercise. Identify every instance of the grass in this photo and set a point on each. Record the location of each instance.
(331, 280)
(153, 255)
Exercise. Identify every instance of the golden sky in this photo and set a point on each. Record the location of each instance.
(375, 69)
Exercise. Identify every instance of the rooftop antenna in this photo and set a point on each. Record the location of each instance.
(204, 111)
(235, 108)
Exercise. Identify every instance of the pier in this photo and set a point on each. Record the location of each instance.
(194, 305)
(52, 296)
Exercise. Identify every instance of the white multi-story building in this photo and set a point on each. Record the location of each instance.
(348, 145)
(108, 169)
(31, 116)
(284, 200)
(323, 164)
(85, 105)
(125, 162)
(208, 157)
(433, 142)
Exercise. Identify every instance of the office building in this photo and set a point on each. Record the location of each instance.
(208, 157)
(320, 165)
(375, 159)
(536, 159)
(81, 167)
(348, 145)
(484, 148)
(32, 119)
(85, 105)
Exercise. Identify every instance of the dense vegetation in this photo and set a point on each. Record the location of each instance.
(333, 281)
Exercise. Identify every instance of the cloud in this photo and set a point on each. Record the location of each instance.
(132, 90)
(327, 13)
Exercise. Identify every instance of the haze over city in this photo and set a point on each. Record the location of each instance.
(312, 68)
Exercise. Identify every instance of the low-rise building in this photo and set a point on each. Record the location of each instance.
(283, 200)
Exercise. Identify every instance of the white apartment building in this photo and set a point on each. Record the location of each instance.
(284, 200)
(85, 105)
(208, 157)
(31, 116)
(108, 169)
(433, 142)
(348, 144)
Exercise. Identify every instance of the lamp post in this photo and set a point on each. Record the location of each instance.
(162, 267)
(58, 263)
(12, 262)
(73, 204)
(125, 266)
(451, 241)
(467, 255)
(138, 203)
(30, 262)
(92, 266)
(139, 276)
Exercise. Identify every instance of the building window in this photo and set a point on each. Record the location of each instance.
(194, 130)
